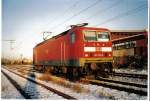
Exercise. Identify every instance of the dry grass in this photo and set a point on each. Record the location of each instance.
(19, 70)
(102, 93)
(84, 81)
(4, 88)
(45, 77)
(22, 71)
(77, 87)
(90, 77)
(63, 82)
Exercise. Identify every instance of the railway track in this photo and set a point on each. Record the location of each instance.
(27, 95)
(125, 86)
(123, 83)
(122, 86)
(16, 85)
(141, 76)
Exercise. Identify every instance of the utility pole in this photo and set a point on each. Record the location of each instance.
(21, 55)
(11, 48)
(11, 43)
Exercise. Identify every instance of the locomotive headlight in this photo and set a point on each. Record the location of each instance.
(109, 54)
(106, 49)
(89, 49)
(86, 55)
(95, 54)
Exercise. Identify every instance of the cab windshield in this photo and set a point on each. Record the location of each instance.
(102, 36)
(90, 36)
(96, 36)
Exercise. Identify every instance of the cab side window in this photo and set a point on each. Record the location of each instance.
(72, 37)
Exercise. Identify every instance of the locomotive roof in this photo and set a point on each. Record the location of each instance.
(61, 34)
(65, 32)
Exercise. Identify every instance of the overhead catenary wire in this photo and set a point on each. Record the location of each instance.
(101, 11)
(60, 15)
(19, 45)
(129, 12)
(52, 21)
(83, 10)
(111, 19)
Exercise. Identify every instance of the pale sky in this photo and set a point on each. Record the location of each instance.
(25, 20)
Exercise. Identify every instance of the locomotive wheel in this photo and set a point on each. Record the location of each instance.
(101, 70)
(105, 69)
(83, 71)
(39, 68)
(69, 74)
(55, 70)
(36, 67)
(64, 70)
(86, 71)
(77, 73)
(93, 66)
(47, 69)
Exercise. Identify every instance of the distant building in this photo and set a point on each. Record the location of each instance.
(116, 34)
(129, 46)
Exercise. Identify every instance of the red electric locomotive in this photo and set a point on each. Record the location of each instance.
(75, 52)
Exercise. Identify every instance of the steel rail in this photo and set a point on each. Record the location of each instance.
(141, 76)
(122, 82)
(117, 87)
(17, 86)
(45, 86)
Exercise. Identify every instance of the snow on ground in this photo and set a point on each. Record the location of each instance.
(84, 95)
(94, 92)
(132, 71)
(8, 91)
(36, 91)
(128, 79)
(114, 94)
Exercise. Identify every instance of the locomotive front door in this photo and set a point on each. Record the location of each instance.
(63, 54)
(72, 48)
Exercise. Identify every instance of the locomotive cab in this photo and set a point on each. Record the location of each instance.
(97, 52)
